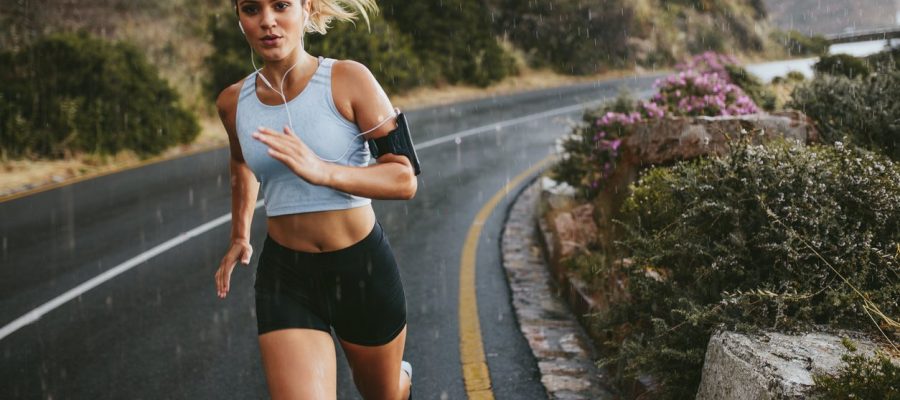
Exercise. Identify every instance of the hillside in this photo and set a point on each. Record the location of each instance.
(576, 37)
(833, 16)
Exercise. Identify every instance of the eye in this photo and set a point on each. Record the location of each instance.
(249, 9)
(282, 3)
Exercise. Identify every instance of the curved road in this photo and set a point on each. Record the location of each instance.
(157, 329)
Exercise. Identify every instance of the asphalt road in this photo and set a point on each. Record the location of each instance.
(159, 331)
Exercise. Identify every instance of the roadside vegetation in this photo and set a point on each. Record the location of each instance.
(780, 236)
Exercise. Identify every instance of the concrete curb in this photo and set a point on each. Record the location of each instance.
(564, 353)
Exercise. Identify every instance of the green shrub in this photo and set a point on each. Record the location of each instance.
(841, 64)
(862, 111)
(386, 51)
(761, 94)
(885, 60)
(73, 92)
(568, 36)
(860, 377)
(580, 167)
(795, 76)
(778, 237)
(798, 44)
(455, 37)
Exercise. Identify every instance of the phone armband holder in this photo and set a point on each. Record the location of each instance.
(397, 141)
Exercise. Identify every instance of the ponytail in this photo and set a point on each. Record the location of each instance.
(325, 11)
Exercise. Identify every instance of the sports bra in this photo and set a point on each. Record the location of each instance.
(319, 125)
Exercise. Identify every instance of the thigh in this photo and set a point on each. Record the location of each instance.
(376, 369)
(299, 364)
(369, 304)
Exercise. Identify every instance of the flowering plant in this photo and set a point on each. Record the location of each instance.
(693, 93)
(702, 86)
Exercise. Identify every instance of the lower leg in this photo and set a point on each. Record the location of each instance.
(405, 383)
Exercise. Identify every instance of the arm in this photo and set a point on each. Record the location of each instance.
(244, 187)
(392, 177)
(244, 190)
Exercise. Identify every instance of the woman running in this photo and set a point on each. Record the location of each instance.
(294, 129)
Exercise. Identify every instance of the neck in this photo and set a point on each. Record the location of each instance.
(275, 70)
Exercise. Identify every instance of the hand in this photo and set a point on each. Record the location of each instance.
(240, 249)
(296, 155)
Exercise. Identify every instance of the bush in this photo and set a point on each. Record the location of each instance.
(692, 93)
(73, 92)
(841, 64)
(568, 36)
(592, 149)
(455, 36)
(860, 377)
(386, 51)
(861, 111)
(796, 76)
(761, 94)
(885, 60)
(778, 237)
(796, 43)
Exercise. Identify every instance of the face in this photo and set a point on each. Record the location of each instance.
(274, 28)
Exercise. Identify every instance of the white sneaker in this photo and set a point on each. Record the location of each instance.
(407, 367)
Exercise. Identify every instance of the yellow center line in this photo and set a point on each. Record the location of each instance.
(474, 366)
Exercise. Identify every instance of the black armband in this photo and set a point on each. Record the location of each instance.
(397, 141)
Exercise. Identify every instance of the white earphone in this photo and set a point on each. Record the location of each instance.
(281, 92)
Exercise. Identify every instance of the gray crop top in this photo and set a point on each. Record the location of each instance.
(318, 124)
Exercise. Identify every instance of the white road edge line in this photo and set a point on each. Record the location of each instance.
(38, 312)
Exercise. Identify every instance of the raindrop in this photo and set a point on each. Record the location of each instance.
(191, 197)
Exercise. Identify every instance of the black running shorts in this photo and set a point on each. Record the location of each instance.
(356, 290)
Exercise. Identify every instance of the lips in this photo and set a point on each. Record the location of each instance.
(270, 40)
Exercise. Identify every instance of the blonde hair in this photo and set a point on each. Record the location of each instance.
(323, 12)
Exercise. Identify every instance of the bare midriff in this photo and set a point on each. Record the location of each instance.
(315, 232)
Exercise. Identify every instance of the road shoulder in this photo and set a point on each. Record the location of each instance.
(564, 353)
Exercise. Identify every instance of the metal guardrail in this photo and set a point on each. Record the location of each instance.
(858, 36)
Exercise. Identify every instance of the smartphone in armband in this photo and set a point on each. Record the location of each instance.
(397, 141)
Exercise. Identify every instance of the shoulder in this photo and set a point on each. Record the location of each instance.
(351, 70)
(356, 93)
(355, 79)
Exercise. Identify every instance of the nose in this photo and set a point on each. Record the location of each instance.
(268, 19)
